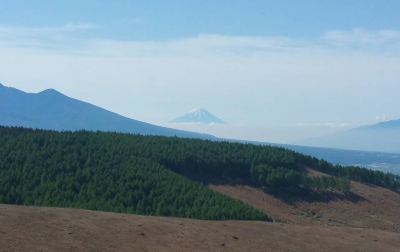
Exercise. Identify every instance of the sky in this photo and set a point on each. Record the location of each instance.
(276, 71)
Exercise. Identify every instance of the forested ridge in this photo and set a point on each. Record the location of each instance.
(106, 172)
(143, 174)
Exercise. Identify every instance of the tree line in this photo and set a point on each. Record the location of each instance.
(105, 172)
(281, 177)
(355, 173)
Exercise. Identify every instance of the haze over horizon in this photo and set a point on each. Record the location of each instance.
(265, 67)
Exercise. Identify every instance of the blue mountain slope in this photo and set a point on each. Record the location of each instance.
(384, 137)
(388, 125)
(50, 109)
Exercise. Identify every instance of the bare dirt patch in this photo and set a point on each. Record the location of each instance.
(54, 229)
(365, 207)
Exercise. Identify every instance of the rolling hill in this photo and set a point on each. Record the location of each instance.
(314, 204)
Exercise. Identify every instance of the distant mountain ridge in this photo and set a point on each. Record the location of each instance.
(387, 125)
(198, 115)
(383, 136)
(51, 109)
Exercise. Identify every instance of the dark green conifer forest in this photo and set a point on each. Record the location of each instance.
(154, 175)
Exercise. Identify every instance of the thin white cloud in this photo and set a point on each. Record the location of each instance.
(203, 44)
(383, 118)
(35, 31)
(45, 37)
(131, 21)
(355, 39)
(363, 39)
(214, 45)
(197, 46)
(328, 124)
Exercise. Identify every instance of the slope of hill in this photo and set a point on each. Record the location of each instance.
(50, 109)
(365, 206)
(107, 172)
(198, 115)
(384, 137)
(143, 174)
(52, 229)
(167, 176)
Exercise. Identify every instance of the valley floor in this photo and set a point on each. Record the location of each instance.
(53, 229)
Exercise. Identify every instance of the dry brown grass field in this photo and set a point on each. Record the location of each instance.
(367, 219)
(53, 229)
(367, 206)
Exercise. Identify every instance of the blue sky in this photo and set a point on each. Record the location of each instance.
(275, 70)
(157, 20)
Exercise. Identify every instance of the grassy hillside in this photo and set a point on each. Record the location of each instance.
(53, 229)
(143, 174)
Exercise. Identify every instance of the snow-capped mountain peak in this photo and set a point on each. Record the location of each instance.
(198, 115)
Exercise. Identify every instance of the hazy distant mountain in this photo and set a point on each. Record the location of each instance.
(384, 136)
(388, 125)
(198, 115)
(50, 109)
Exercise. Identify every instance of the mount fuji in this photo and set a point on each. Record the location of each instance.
(198, 115)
